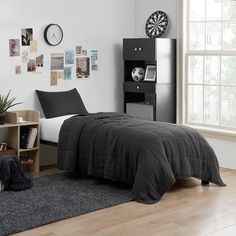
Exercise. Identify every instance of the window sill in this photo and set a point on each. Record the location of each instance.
(215, 133)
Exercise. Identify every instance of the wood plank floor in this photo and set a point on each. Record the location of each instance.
(189, 208)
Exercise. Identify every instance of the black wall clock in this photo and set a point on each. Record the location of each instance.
(53, 34)
(156, 24)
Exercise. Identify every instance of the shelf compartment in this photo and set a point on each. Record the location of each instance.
(140, 110)
(27, 115)
(13, 131)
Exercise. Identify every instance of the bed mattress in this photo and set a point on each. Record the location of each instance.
(50, 128)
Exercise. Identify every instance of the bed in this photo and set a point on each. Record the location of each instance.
(147, 155)
(50, 128)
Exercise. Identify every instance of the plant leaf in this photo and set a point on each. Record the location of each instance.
(6, 102)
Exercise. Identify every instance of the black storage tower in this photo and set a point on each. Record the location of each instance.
(150, 100)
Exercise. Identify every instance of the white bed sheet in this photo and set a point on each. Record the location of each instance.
(50, 128)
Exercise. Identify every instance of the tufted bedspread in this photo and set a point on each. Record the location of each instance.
(148, 155)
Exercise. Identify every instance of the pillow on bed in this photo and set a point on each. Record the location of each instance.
(61, 103)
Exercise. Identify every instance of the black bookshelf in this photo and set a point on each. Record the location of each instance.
(154, 100)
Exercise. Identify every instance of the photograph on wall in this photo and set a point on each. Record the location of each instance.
(39, 61)
(84, 52)
(57, 61)
(82, 67)
(17, 69)
(67, 73)
(33, 46)
(53, 81)
(31, 65)
(69, 57)
(94, 59)
(26, 36)
(60, 74)
(78, 50)
(14, 47)
(25, 56)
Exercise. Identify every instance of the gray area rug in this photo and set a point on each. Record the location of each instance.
(56, 197)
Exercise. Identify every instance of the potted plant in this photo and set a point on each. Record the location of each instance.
(5, 104)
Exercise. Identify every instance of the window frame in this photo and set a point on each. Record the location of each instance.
(183, 52)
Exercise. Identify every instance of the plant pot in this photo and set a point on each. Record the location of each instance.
(2, 119)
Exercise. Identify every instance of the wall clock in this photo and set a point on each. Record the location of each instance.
(53, 34)
(156, 24)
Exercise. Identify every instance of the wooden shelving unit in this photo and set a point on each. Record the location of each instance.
(13, 134)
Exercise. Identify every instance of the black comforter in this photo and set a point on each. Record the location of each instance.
(149, 155)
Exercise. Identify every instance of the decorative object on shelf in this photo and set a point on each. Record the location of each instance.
(2, 118)
(3, 147)
(5, 104)
(53, 34)
(156, 24)
(150, 73)
(137, 74)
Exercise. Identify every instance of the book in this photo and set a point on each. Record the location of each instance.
(28, 137)
(24, 136)
(32, 137)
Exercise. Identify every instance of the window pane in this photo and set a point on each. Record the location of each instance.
(213, 35)
(195, 69)
(212, 70)
(211, 82)
(197, 10)
(228, 70)
(211, 105)
(197, 36)
(229, 9)
(213, 9)
(229, 35)
(228, 111)
(195, 103)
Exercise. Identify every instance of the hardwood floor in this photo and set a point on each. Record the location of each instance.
(188, 209)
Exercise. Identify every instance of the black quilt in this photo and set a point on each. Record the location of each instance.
(148, 155)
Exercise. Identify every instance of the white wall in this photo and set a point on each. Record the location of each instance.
(144, 8)
(93, 24)
(225, 151)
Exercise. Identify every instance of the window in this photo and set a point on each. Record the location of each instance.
(210, 63)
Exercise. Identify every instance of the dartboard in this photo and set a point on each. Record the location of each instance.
(156, 24)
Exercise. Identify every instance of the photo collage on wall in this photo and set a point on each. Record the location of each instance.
(27, 49)
(78, 60)
(72, 63)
